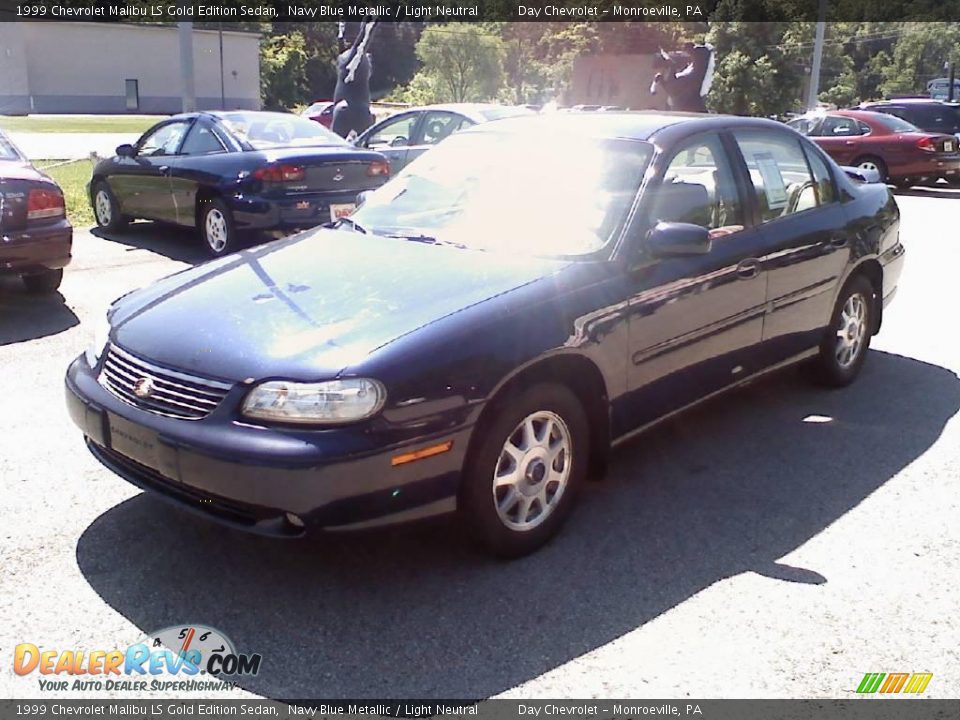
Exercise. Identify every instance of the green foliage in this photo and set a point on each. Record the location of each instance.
(283, 70)
(460, 62)
(919, 56)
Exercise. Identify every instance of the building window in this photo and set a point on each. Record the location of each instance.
(133, 94)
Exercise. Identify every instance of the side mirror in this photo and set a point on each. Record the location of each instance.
(126, 150)
(362, 197)
(399, 141)
(673, 239)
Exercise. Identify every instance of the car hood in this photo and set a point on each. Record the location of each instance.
(308, 306)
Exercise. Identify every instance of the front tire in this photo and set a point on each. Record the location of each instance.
(521, 479)
(845, 344)
(43, 283)
(106, 209)
(216, 228)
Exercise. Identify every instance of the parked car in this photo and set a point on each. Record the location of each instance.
(475, 340)
(407, 135)
(35, 236)
(321, 112)
(900, 152)
(933, 116)
(227, 172)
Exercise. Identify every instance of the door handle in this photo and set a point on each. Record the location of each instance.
(164, 169)
(748, 268)
(838, 241)
(849, 142)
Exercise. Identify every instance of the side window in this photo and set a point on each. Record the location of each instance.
(779, 171)
(838, 126)
(699, 187)
(864, 128)
(164, 140)
(394, 133)
(804, 125)
(440, 125)
(825, 191)
(201, 140)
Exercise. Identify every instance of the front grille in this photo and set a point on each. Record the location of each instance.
(162, 391)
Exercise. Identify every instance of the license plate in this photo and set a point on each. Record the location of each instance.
(141, 445)
(948, 146)
(340, 210)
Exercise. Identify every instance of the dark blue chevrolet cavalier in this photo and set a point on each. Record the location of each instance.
(488, 324)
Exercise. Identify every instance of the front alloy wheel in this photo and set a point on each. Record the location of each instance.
(533, 471)
(105, 209)
(524, 468)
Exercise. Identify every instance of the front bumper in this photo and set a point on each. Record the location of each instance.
(251, 478)
(46, 247)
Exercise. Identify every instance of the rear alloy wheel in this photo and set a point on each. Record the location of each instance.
(44, 282)
(845, 344)
(216, 228)
(521, 482)
(106, 211)
(874, 164)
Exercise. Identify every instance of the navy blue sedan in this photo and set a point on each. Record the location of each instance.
(488, 324)
(226, 173)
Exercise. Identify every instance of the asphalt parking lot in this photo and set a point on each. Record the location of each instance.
(742, 550)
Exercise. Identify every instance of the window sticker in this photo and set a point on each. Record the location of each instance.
(773, 185)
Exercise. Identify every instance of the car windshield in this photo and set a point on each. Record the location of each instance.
(264, 130)
(895, 124)
(8, 151)
(552, 194)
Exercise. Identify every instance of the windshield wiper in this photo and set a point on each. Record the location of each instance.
(354, 225)
(428, 239)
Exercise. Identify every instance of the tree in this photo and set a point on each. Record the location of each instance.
(283, 70)
(461, 62)
(919, 56)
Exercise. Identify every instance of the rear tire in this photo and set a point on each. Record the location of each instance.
(106, 209)
(847, 339)
(216, 228)
(523, 473)
(44, 282)
(871, 162)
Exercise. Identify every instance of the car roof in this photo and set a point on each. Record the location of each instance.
(641, 125)
(910, 101)
(474, 111)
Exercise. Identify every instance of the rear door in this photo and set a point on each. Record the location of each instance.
(840, 137)
(805, 238)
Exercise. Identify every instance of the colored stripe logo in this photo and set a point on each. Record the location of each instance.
(893, 683)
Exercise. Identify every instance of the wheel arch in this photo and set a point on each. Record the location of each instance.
(204, 194)
(574, 371)
(871, 269)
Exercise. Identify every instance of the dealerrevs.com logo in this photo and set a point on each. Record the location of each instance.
(191, 654)
(894, 683)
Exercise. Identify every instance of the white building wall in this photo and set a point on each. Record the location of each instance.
(14, 90)
(83, 67)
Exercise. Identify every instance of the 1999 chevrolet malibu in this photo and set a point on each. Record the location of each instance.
(488, 324)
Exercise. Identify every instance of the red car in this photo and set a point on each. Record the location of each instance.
(35, 237)
(900, 152)
(321, 112)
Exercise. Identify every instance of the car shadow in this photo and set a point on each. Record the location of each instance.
(27, 317)
(729, 488)
(935, 191)
(173, 241)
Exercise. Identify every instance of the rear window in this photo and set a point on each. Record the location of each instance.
(264, 130)
(894, 124)
(8, 151)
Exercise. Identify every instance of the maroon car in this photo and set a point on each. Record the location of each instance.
(321, 111)
(900, 152)
(35, 237)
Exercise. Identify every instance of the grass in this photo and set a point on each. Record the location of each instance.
(78, 123)
(73, 178)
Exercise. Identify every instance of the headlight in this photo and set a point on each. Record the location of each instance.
(101, 335)
(328, 403)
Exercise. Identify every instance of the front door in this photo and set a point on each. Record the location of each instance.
(393, 139)
(694, 319)
(141, 183)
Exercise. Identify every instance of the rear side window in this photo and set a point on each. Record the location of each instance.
(782, 179)
(201, 141)
(826, 192)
